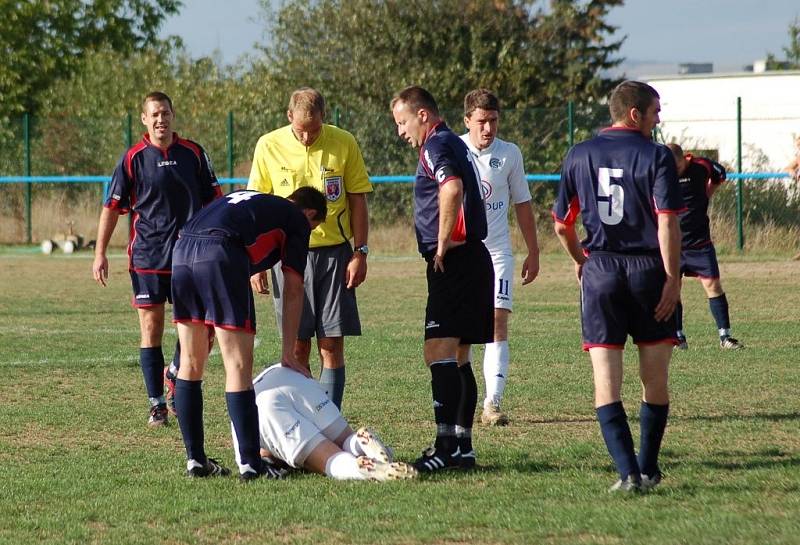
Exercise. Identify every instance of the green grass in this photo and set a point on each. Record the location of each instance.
(78, 465)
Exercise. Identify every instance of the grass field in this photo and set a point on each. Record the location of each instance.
(78, 464)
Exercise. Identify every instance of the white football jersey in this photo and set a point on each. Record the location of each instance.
(503, 183)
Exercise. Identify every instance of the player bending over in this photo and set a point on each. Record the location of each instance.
(301, 426)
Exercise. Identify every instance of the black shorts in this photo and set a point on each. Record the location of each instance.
(701, 262)
(461, 299)
(619, 294)
(150, 289)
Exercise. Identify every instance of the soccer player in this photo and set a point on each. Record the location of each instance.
(450, 222)
(625, 188)
(219, 249)
(301, 426)
(502, 178)
(308, 152)
(164, 180)
(699, 178)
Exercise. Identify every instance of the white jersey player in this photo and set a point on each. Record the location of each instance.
(300, 426)
(504, 185)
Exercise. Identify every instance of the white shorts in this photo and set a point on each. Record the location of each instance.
(294, 414)
(503, 280)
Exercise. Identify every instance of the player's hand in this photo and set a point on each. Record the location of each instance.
(579, 271)
(670, 295)
(259, 283)
(356, 271)
(530, 268)
(100, 269)
(438, 263)
(291, 362)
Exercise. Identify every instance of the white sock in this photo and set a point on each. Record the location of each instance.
(343, 466)
(495, 371)
(352, 446)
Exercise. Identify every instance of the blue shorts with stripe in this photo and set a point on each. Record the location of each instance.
(619, 294)
(150, 289)
(211, 283)
(701, 262)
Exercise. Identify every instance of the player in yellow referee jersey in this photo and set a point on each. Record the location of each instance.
(308, 152)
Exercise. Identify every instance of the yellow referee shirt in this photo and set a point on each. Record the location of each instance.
(333, 164)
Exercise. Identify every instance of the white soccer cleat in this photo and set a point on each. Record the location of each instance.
(379, 471)
(373, 447)
(493, 416)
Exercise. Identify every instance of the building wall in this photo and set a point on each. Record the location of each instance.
(699, 111)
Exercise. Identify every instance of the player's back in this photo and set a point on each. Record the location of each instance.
(621, 181)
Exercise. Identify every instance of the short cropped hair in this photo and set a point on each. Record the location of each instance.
(307, 100)
(630, 94)
(676, 150)
(416, 98)
(157, 96)
(311, 198)
(480, 98)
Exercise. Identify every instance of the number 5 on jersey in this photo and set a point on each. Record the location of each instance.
(610, 195)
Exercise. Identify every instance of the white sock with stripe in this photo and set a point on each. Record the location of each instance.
(495, 371)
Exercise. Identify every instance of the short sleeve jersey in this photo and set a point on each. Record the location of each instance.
(444, 157)
(271, 228)
(618, 181)
(503, 183)
(694, 221)
(164, 189)
(333, 164)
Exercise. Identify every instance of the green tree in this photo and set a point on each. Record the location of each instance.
(44, 41)
(792, 51)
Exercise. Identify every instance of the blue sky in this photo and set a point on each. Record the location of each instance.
(660, 34)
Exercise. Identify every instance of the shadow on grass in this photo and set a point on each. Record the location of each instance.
(771, 417)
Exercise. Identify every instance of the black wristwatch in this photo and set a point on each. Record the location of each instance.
(363, 249)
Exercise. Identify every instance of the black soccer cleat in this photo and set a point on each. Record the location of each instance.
(158, 416)
(468, 460)
(433, 460)
(211, 468)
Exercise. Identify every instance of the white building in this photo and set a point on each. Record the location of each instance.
(699, 112)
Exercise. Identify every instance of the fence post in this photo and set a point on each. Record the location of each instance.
(26, 137)
(571, 123)
(230, 149)
(739, 182)
(337, 115)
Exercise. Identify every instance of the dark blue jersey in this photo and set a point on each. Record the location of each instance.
(694, 221)
(618, 181)
(444, 157)
(164, 188)
(271, 228)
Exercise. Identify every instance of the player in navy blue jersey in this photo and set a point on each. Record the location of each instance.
(163, 180)
(625, 188)
(699, 178)
(450, 222)
(242, 234)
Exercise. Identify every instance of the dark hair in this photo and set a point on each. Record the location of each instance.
(416, 98)
(312, 199)
(480, 98)
(157, 96)
(676, 150)
(630, 94)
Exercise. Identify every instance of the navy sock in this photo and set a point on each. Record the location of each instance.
(446, 389)
(617, 435)
(466, 407)
(652, 421)
(719, 310)
(189, 405)
(152, 362)
(332, 381)
(679, 316)
(243, 413)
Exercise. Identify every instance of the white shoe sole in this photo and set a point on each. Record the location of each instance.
(373, 447)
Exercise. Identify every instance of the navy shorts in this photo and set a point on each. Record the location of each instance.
(700, 262)
(619, 294)
(150, 289)
(461, 299)
(211, 283)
